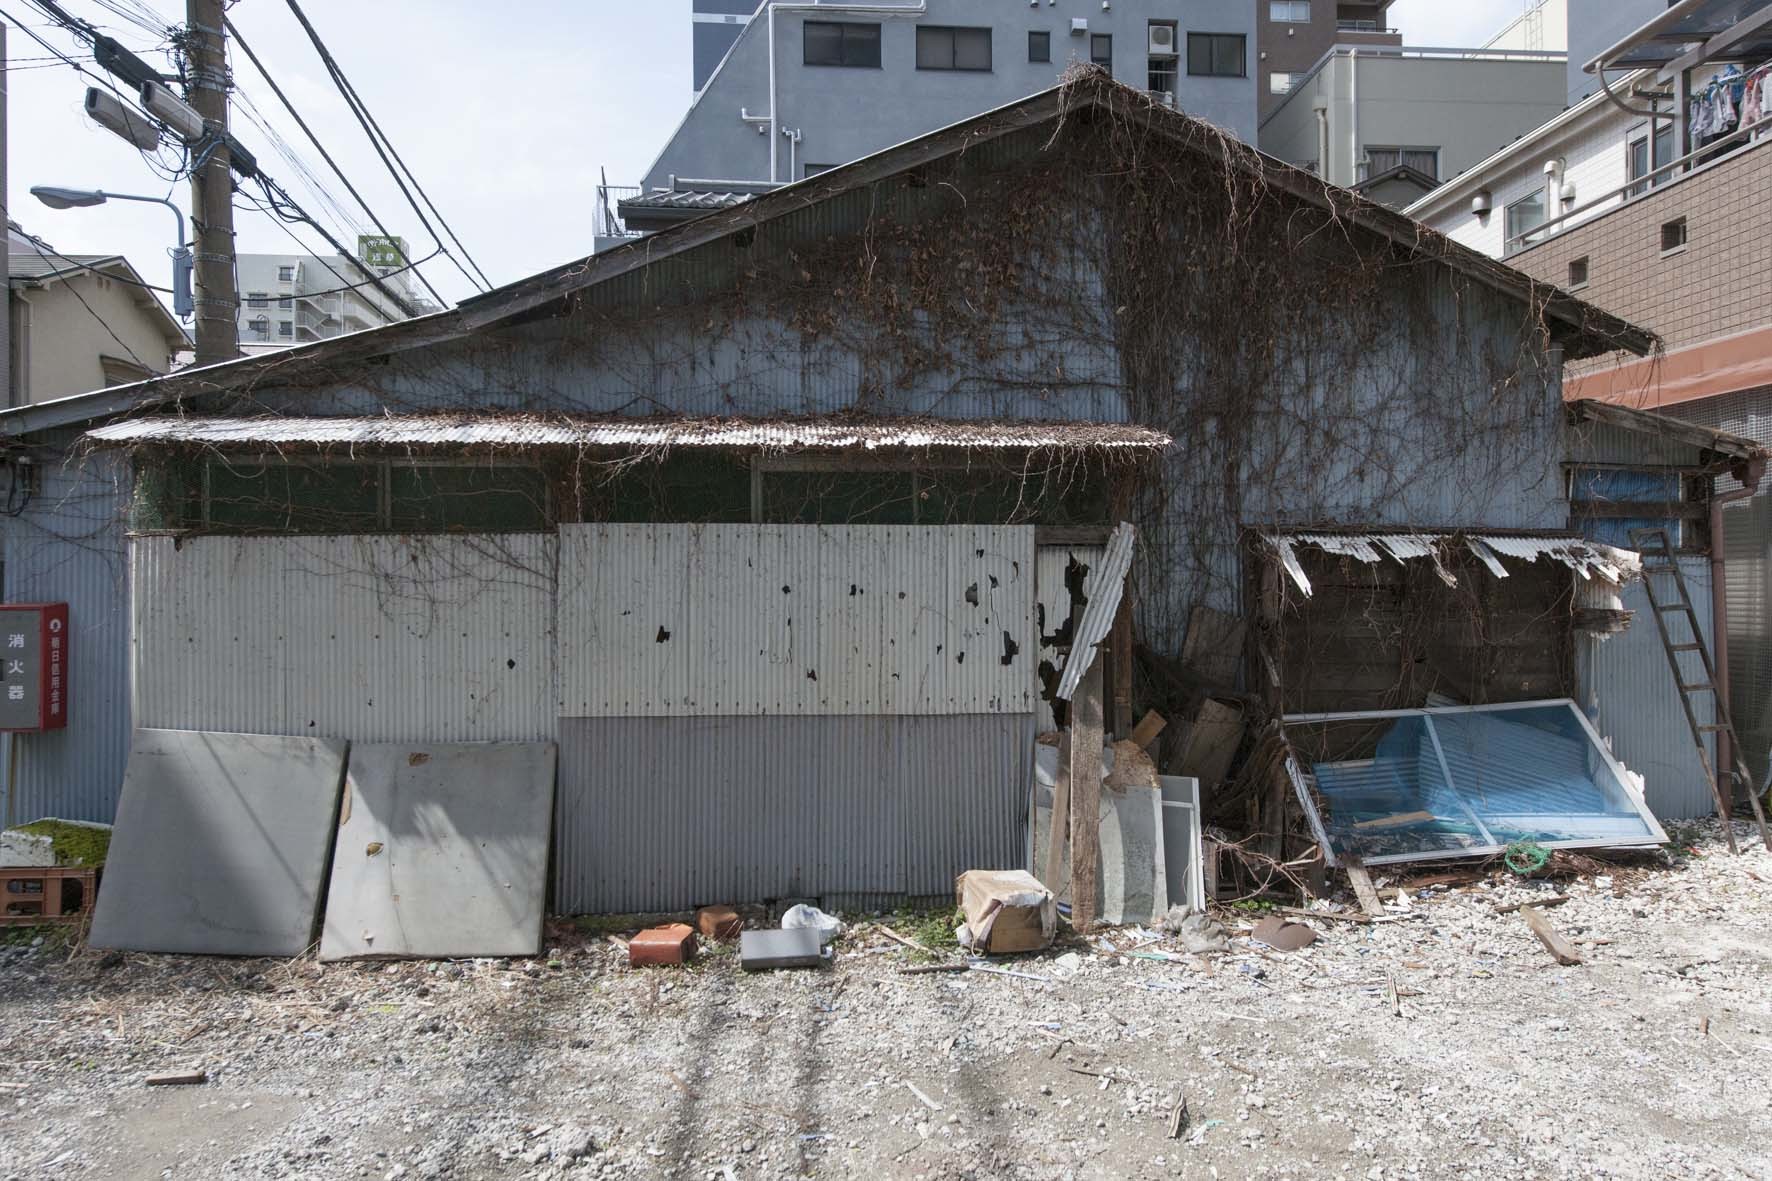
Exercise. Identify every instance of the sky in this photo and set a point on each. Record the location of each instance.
(507, 113)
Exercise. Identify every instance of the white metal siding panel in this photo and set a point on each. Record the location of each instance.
(1628, 691)
(712, 620)
(389, 639)
(1052, 607)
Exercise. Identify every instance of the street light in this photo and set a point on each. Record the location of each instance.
(60, 198)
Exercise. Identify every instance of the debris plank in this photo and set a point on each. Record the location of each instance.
(1379, 823)
(1061, 816)
(1085, 762)
(1561, 948)
(1362, 884)
(179, 1078)
(1541, 903)
(1149, 726)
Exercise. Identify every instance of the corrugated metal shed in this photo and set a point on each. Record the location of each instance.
(668, 813)
(535, 430)
(390, 639)
(1052, 607)
(705, 620)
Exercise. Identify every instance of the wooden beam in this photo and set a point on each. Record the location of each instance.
(1362, 884)
(1561, 948)
(1061, 817)
(1085, 764)
(1119, 722)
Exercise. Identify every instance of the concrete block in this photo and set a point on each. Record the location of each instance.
(671, 944)
(718, 922)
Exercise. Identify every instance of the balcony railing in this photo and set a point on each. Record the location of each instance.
(1655, 181)
(605, 221)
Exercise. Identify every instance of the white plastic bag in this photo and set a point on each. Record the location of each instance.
(827, 926)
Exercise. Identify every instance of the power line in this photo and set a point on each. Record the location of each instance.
(279, 197)
(75, 291)
(321, 148)
(373, 130)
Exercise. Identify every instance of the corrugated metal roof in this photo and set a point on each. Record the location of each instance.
(1590, 559)
(1104, 587)
(566, 431)
(688, 202)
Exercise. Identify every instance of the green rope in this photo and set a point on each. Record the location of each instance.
(1525, 857)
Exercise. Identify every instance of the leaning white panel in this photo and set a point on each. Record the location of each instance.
(220, 844)
(442, 851)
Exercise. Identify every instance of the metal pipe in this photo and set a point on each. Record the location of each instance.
(1353, 123)
(1751, 475)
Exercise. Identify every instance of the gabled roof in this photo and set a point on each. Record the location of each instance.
(1585, 329)
(35, 268)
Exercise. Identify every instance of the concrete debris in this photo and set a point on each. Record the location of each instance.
(1199, 933)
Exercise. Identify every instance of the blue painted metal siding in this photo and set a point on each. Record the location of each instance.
(67, 546)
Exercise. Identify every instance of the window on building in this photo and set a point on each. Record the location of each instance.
(841, 43)
(285, 328)
(286, 274)
(1673, 235)
(284, 301)
(953, 49)
(1216, 55)
(1521, 218)
(1039, 46)
(1578, 272)
(1279, 82)
(1423, 160)
(1165, 66)
(260, 326)
(1290, 11)
(258, 299)
(1648, 151)
(1101, 49)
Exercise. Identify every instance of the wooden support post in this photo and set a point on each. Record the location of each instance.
(1119, 721)
(1061, 818)
(1085, 761)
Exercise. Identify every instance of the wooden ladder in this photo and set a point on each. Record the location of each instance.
(1658, 559)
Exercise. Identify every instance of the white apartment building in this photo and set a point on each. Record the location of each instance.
(289, 299)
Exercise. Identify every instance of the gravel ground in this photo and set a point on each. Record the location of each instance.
(1651, 1059)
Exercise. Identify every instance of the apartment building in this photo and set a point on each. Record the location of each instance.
(1292, 35)
(1393, 122)
(289, 299)
(802, 87)
(1648, 198)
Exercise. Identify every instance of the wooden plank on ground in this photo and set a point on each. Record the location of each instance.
(1086, 739)
(1362, 884)
(1561, 948)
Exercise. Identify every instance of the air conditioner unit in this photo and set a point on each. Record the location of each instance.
(1162, 40)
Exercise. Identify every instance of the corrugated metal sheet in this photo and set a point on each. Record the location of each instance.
(1628, 691)
(67, 546)
(1105, 587)
(668, 813)
(1589, 559)
(707, 620)
(434, 639)
(532, 430)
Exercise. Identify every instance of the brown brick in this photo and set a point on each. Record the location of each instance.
(717, 922)
(672, 944)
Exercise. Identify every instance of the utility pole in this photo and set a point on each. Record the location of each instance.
(212, 187)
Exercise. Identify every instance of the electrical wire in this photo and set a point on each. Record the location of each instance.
(103, 323)
(325, 155)
(373, 130)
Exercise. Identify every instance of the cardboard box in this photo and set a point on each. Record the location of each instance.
(1007, 910)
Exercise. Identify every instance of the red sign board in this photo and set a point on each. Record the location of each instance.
(33, 666)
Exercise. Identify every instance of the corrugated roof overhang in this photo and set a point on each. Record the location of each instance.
(527, 431)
